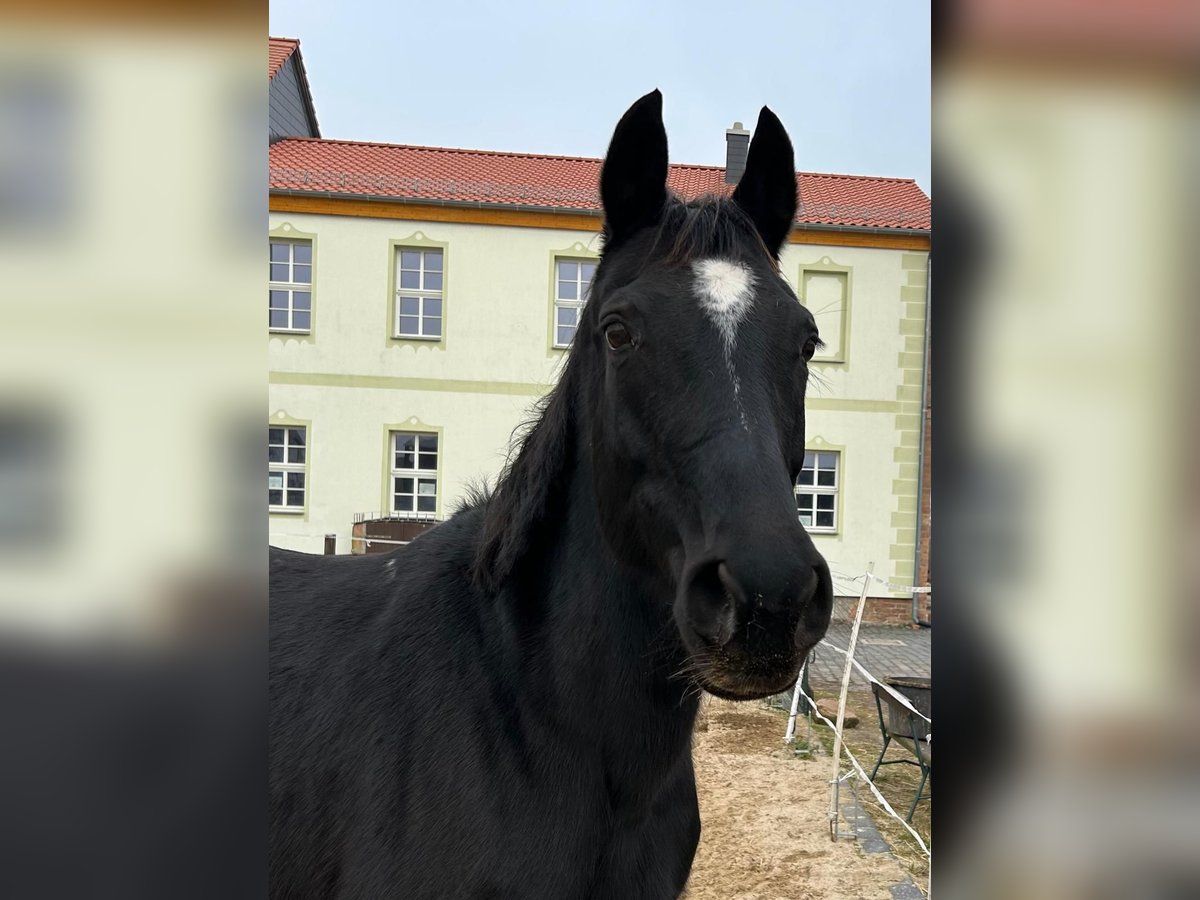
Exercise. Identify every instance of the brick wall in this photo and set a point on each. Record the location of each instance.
(881, 610)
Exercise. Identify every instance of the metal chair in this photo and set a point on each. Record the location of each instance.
(905, 728)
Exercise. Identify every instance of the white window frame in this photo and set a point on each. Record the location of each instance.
(581, 288)
(420, 476)
(815, 491)
(291, 286)
(420, 294)
(289, 466)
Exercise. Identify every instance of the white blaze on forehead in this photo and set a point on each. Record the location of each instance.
(725, 290)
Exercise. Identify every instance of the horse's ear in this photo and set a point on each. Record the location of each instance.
(767, 190)
(633, 181)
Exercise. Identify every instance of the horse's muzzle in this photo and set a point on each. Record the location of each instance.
(749, 620)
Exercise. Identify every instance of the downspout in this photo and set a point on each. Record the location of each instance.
(916, 616)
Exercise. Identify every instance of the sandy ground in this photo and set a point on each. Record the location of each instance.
(765, 829)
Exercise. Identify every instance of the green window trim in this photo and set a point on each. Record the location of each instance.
(286, 232)
(280, 419)
(417, 241)
(819, 445)
(580, 252)
(413, 425)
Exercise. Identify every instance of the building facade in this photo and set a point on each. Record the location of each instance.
(421, 301)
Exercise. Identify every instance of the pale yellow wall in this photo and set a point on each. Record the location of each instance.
(346, 455)
(874, 336)
(870, 404)
(480, 384)
(497, 301)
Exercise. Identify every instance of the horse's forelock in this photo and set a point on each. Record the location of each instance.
(709, 227)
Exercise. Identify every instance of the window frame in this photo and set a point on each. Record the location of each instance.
(816, 490)
(291, 287)
(285, 231)
(287, 467)
(577, 304)
(418, 430)
(577, 253)
(416, 242)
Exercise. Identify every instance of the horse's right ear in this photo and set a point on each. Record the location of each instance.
(633, 181)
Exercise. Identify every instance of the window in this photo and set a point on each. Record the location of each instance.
(816, 491)
(418, 293)
(572, 277)
(414, 474)
(287, 455)
(290, 288)
(41, 122)
(34, 482)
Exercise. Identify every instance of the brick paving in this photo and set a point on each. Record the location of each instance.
(883, 650)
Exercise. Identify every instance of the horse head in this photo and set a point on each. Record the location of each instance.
(685, 389)
(698, 354)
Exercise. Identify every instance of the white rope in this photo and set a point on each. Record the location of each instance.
(863, 775)
(892, 586)
(842, 576)
(904, 701)
(791, 725)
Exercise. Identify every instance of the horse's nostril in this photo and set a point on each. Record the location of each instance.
(818, 606)
(732, 588)
(712, 599)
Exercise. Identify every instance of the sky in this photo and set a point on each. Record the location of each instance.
(850, 81)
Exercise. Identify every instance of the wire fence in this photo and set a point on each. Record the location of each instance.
(841, 752)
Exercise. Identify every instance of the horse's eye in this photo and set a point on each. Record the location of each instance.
(810, 347)
(617, 336)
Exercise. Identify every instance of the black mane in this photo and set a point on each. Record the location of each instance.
(526, 490)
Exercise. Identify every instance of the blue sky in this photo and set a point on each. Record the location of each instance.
(849, 80)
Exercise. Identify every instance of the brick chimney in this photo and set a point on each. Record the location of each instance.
(737, 145)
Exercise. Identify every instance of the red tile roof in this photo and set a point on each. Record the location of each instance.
(447, 175)
(278, 51)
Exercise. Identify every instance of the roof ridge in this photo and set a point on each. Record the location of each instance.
(510, 153)
(518, 154)
(893, 178)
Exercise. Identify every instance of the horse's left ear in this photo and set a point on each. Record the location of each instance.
(767, 190)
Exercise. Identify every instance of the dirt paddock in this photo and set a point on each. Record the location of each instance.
(764, 813)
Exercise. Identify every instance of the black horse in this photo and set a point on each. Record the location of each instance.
(504, 709)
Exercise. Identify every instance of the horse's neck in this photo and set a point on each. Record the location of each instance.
(617, 618)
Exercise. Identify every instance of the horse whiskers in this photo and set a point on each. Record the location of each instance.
(688, 671)
(692, 667)
(815, 377)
